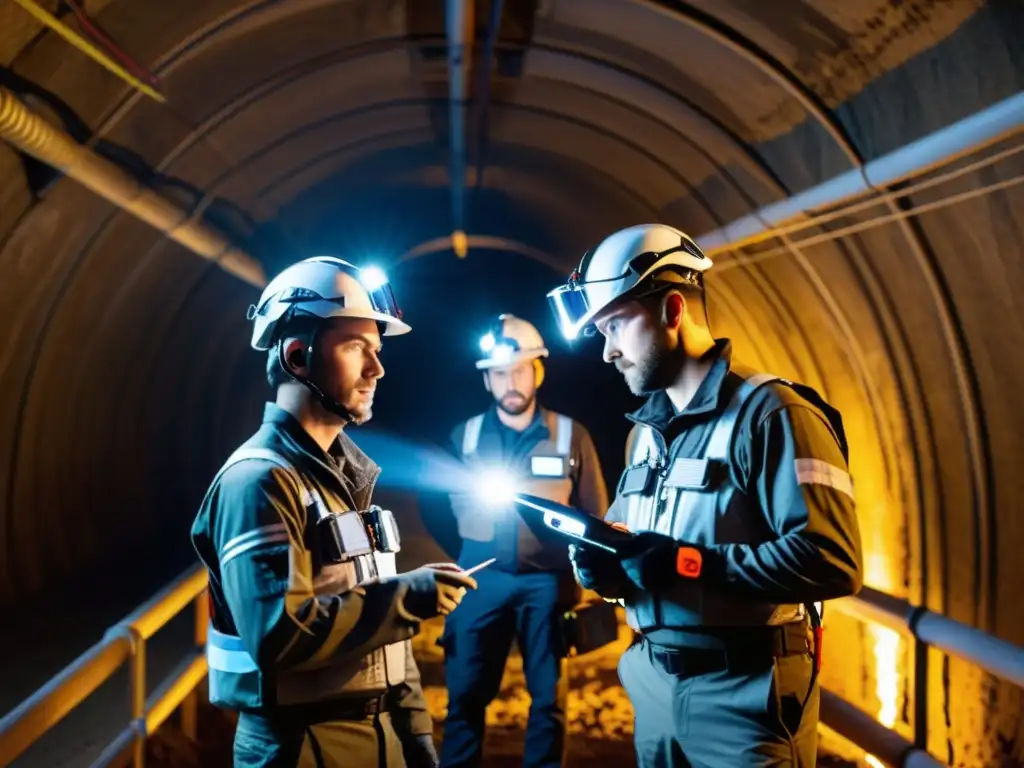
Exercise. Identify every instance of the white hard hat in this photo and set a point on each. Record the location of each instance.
(324, 287)
(510, 340)
(627, 262)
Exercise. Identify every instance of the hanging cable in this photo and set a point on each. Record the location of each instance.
(86, 47)
(99, 36)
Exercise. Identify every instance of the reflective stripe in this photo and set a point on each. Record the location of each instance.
(471, 435)
(241, 549)
(818, 472)
(257, 533)
(718, 445)
(563, 438)
(684, 500)
(226, 653)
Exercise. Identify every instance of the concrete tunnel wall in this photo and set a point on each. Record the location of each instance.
(287, 121)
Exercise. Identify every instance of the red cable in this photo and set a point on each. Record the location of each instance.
(100, 37)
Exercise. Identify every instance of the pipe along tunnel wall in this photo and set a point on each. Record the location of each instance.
(324, 126)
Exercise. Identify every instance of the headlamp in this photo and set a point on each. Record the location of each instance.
(372, 278)
(502, 353)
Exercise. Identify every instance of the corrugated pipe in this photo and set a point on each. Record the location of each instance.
(937, 149)
(36, 137)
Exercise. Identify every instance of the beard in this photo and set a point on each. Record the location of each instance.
(656, 369)
(361, 415)
(359, 408)
(515, 403)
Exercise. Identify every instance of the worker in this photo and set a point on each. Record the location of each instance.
(524, 594)
(310, 625)
(738, 494)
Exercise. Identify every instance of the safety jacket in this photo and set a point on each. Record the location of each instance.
(692, 489)
(555, 459)
(288, 629)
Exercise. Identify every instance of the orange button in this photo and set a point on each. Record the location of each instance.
(689, 562)
(620, 526)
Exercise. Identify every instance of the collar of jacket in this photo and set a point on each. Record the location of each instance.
(659, 413)
(539, 426)
(344, 458)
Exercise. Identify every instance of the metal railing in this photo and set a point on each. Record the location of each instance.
(125, 641)
(925, 629)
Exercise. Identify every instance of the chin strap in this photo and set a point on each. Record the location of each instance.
(329, 404)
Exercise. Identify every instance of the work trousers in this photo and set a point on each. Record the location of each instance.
(260, 742)
(730, 718)
(477, 640)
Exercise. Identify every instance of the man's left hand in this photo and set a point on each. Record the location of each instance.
(654, 561)
(420, 753)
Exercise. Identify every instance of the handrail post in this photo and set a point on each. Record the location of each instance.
(921, 650)
(202, 614)
(138, 696)
(189, 713)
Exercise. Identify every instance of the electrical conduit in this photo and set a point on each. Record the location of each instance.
(33, 135)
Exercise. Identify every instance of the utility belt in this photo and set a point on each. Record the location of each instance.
(736, 650)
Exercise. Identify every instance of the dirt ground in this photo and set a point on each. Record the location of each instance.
(599, 716)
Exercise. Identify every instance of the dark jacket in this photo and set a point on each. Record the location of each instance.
(257, 536)
(776, 526)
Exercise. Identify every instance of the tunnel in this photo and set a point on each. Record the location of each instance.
(852, 168)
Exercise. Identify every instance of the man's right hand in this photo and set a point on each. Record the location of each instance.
(597, 570)
(435, 589)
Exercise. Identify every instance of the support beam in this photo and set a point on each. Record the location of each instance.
(459, 28)
(34, 136)
(940, 148)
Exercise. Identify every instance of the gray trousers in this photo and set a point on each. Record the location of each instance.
(722, 719)
(369, 743)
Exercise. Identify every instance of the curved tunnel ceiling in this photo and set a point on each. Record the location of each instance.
(287, 122)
